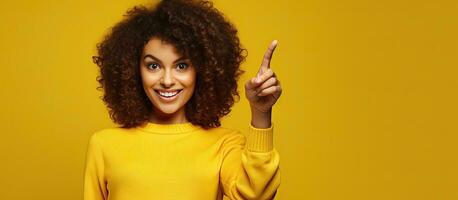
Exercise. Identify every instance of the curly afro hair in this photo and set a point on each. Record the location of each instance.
(198, 31)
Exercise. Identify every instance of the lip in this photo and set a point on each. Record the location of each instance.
(167, 99)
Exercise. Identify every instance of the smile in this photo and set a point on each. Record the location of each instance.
(167, 95)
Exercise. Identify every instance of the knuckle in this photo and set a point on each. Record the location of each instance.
(274, 80)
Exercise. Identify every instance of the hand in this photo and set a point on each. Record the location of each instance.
(264, 90)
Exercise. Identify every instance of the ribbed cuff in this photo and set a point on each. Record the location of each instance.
(260, 140)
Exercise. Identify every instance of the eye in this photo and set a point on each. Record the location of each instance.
(182, 66)
(152, 66)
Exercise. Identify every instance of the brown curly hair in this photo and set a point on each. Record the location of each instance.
(198, 31)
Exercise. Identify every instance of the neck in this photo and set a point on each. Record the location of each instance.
(159, 117)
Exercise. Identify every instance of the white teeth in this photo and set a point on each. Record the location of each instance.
(168, 94)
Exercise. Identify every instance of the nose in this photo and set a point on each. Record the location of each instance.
(167, 79)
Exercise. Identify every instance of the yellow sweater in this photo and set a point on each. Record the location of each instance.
(182, 162)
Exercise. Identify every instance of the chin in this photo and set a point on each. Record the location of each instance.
(167, 109)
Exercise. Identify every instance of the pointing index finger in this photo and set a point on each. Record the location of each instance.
(268, 55)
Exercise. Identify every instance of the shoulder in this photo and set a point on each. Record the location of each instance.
(224, 131)
(112, 134)
(228, 136)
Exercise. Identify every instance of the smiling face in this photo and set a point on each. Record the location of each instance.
(168, 79)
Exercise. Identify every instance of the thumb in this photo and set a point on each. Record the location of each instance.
(253, 83)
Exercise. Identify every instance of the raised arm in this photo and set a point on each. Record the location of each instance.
(250, 168)
(263, 91)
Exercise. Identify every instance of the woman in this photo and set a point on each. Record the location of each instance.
(169, 73)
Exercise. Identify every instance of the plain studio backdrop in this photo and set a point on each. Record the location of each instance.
(368, 110)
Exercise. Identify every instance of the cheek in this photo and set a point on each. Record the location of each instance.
(149, 79)
(188, 80)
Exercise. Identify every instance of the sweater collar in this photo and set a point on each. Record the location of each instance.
(180, 128)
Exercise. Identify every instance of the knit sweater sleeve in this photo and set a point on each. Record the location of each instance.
(250, 166)
(94, 180)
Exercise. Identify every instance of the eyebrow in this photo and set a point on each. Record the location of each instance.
(158, 60)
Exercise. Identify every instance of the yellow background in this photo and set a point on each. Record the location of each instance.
(369, 108)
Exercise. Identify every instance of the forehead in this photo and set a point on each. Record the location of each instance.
(160, 48)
